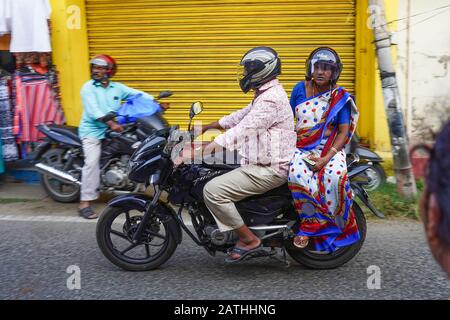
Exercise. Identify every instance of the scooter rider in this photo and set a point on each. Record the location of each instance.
(264, 135)
(100, 96)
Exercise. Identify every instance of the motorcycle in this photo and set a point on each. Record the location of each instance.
(375, 172)
(60, 157)
(139, 232)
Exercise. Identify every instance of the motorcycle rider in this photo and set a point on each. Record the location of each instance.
(100, 96)
(264, 135)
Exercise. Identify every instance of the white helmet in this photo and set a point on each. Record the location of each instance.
(260, 65)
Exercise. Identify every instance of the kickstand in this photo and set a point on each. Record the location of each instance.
(273, 255)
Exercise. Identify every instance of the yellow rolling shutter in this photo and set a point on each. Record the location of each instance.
(193, 47)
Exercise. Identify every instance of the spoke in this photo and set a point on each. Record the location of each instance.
(119, 234)
(129, 248)
(147, 250)
(155, 234)
(127, 215)
(156, 245)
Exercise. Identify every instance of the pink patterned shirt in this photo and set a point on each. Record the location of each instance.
(263, 132)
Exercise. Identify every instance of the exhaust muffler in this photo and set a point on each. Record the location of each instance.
(57, 174)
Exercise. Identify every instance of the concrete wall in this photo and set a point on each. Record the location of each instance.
(423, 65)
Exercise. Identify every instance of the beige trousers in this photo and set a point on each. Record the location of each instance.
(222, 192)
(90, 174)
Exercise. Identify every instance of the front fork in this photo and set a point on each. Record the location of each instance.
(363, 196)
(146, 218)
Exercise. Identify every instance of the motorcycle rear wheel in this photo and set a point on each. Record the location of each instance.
(317, 260)
(57, 190)
(109, 248)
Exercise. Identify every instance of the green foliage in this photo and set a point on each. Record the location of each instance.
(387, 200)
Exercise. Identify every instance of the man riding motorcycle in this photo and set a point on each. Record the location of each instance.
(100, 96)
(264, 135)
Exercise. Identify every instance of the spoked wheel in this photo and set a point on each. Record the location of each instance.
(377, 177)
(115, 230)
(324, 260)
(56, 189)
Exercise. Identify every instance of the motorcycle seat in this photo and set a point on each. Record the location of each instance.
(221, 166)
(227, 160)
(68, 131)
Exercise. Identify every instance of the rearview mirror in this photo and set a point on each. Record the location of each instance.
(164, 94)
(196, 108)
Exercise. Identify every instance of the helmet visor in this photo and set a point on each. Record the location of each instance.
(241, 72)
(324, 66)
(99, 62)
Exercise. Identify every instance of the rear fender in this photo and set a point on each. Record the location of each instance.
(367, 154)
(140, 202)
(58, 137)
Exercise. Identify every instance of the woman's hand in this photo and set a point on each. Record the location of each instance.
(320, 162)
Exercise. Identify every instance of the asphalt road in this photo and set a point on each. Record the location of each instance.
(35, 255)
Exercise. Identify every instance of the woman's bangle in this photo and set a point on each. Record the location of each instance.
(334, 149)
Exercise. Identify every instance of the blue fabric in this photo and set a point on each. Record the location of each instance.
(98, 101)
(339, 105)
(2, 166)
(136, 107)
(298, 96)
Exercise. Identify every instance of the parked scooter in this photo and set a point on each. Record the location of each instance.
(375, 172)
(61, 155)
(139, 232)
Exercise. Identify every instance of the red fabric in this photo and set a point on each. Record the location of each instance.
(35, 104)
(303, 139)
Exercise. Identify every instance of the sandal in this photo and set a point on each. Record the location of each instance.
(301, 241)
(87, 213)
(243, 253)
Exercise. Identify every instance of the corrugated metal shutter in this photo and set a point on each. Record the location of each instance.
(193, 47)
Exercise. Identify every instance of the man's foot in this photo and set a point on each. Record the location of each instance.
(87, 213)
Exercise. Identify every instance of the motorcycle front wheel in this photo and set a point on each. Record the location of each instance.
(115, 229)
(377, 177)
(323, 260)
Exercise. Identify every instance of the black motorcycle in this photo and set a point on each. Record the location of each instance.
(375, 172)
(139, 232)
(60, 157)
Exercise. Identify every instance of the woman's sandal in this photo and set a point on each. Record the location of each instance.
(301, 241)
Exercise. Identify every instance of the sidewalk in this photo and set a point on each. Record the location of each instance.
(25, 199)
(31, 199)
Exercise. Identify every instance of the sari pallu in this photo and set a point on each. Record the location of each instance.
(323, 199)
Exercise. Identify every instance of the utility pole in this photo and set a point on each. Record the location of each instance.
(406, 184)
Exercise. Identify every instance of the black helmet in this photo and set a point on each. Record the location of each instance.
(327, 56)
(260, 65)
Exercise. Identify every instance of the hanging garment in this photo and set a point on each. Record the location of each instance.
(29, 26)
(2, 166)
(5, 19)
(35, 104)
(9, 146)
